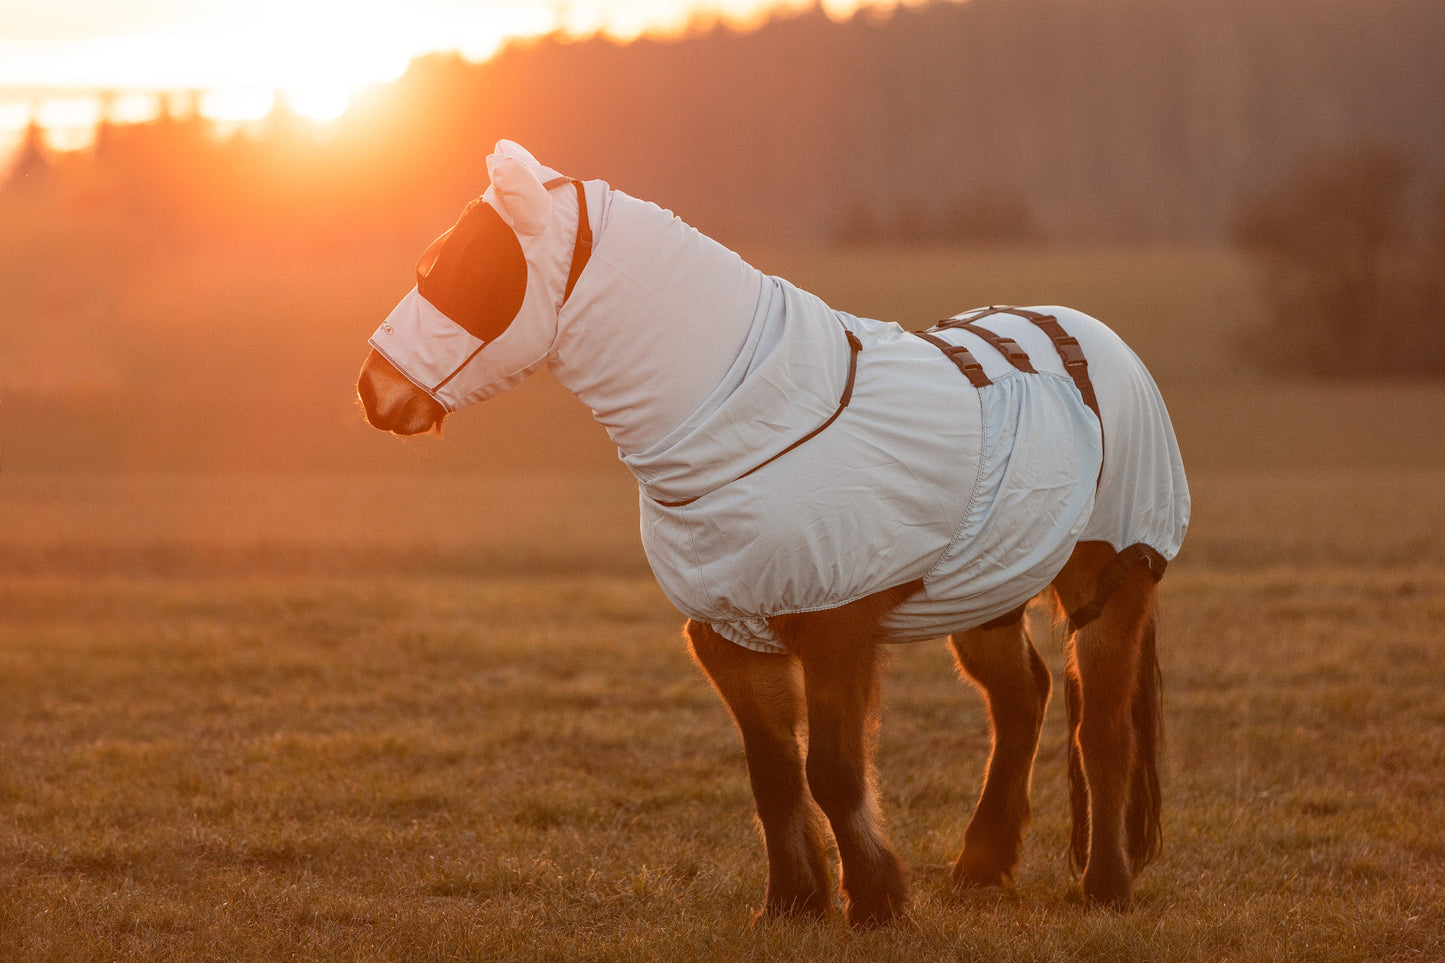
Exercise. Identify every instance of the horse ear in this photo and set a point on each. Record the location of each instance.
(518, 193)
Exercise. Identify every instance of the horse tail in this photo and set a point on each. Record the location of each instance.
(1143, 823)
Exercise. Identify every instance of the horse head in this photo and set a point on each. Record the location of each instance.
(483, 313)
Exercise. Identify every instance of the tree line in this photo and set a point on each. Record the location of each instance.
(1310, 131)
(1116, 120)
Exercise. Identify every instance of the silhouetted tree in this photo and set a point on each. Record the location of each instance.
(1120, 120)
(31, 166)
(1348, 268)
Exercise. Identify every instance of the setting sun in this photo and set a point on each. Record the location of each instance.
(319, 103)
(73, 63)
(313, 54)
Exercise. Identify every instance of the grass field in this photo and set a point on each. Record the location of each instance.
(530, 768)
(273, 686)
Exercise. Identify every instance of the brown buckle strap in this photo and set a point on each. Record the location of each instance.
(1068, 347)
(1072, 353)
(968, 317)
(961, 357)
(1007, 347)
(582, 249)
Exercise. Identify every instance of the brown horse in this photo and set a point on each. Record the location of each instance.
(802, 680)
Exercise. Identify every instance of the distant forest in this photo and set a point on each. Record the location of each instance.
(989, 120)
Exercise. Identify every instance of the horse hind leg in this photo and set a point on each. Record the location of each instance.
(840, 659)
(1001, 660)
(764, 693)
(1115, 726)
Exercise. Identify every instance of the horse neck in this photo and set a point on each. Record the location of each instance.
(656, 320)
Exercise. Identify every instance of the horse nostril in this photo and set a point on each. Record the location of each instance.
(393, 403)
(367, 392)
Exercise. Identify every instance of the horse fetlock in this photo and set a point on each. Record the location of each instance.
(875, 889)
(986, 862)
(797, 874)
(808, 903)
(878, 905)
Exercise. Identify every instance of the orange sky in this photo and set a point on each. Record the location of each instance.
(316, 51)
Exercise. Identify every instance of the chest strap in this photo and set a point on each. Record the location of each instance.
(854, 348)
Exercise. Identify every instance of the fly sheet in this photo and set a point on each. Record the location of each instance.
(980, 492)
(791, 457)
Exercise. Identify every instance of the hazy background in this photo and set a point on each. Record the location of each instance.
(183, 306)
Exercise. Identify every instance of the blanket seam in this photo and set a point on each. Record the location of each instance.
(968, 511)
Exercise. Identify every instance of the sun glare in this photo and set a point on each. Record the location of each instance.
(233, 61)
(319, 103)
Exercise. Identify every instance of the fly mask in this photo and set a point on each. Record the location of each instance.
(483, 314)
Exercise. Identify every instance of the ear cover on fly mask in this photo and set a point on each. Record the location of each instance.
(475, 273)
(517, 191)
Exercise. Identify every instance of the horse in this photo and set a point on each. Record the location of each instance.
(812, 486)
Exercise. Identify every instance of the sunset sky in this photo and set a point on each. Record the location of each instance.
(55, 54)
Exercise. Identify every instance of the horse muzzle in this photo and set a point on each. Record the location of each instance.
(392, 402)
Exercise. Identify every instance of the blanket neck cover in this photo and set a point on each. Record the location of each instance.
(702, 368)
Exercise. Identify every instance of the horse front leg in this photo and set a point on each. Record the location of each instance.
(764, 693)
(840, 659)
(1002, 661)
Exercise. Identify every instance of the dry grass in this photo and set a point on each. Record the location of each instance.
(430, 769)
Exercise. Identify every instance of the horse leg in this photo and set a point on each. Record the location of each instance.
(840, 659)
(1002, 661)
(1113, 697)
(764, 693)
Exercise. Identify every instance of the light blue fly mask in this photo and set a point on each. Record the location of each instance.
(483, 314)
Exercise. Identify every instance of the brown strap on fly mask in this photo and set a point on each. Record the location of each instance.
(582, 249)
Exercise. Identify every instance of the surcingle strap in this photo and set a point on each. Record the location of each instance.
(1007, 347)
(1070, 352)
(962, 358)
(1113, 576)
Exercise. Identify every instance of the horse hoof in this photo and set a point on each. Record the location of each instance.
(977, 872)
(980, 880)
(1108, 895)
(803, 906)
(880, 910)
(872, 919)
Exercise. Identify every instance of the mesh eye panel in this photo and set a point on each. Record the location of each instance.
(475, 273)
